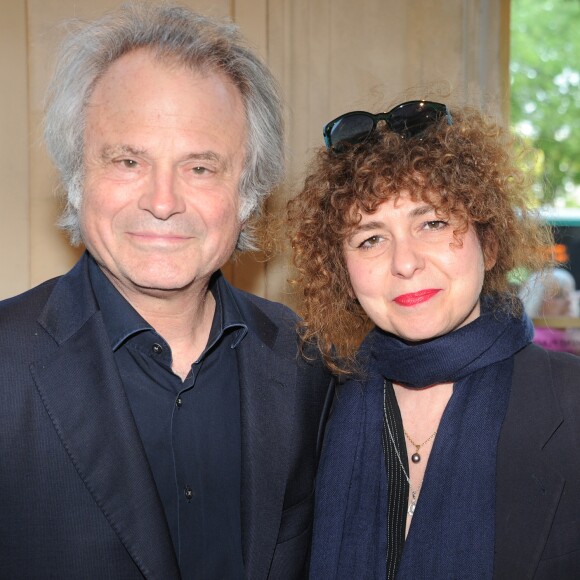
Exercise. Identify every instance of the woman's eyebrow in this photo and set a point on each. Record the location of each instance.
(368, 226)
(421, 210)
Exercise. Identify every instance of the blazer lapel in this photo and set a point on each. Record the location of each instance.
(84, 397)
(528, 484)
(265, 449)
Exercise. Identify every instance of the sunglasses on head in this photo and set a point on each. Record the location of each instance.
(408, 119)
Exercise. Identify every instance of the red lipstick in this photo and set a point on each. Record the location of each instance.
(416, 297)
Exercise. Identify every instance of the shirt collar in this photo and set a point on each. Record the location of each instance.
(122, 321)
(227, 314)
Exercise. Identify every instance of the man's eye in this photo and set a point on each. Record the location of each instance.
(200, 170)
(128, 163)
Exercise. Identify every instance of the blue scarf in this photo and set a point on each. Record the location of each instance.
(453, 528)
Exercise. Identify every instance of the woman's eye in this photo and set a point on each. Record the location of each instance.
(435, 225)
(370, 242)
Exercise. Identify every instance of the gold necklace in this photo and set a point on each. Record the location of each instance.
(413, 492)
(415, 458)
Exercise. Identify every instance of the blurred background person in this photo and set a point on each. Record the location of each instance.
(552, 295)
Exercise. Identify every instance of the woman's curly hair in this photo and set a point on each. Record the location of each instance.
(466, 170)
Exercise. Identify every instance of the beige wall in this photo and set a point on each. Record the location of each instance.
(14, 143)
(330, 56)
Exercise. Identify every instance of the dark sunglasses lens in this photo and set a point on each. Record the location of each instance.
(350, 129)
(411, 119)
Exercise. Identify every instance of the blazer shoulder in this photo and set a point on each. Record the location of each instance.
(279, 313)
(277, 326)
(538, 371)
(536, 363)
(27, 306)
(274, 323)
(22, 338)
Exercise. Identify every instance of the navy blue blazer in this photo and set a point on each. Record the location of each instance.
(538, 470)
(77, 497)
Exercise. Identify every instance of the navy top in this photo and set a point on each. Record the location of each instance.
(190, 429)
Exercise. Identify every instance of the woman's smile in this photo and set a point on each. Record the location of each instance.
(414, 298)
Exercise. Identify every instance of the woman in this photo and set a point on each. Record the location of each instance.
(452, 448)
(548, 295)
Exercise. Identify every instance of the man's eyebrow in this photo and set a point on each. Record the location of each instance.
(110, 151)
(205, 156)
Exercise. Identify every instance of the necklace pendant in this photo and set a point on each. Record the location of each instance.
(411, 509)
(415, 458)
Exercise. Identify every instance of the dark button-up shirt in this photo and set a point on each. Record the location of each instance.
(190, 429)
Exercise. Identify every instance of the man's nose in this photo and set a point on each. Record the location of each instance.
(162, 197)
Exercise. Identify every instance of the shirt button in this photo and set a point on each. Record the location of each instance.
(188, 492)
(178, 402)
(157, 348)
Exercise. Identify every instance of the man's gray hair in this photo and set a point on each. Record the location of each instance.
(196, 41)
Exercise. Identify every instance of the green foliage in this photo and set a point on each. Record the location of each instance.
(545, 92)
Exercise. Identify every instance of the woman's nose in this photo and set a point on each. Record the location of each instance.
(406, 258)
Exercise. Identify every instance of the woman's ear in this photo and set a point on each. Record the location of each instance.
(490, 254)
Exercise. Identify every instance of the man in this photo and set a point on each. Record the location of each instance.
(154, 421)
